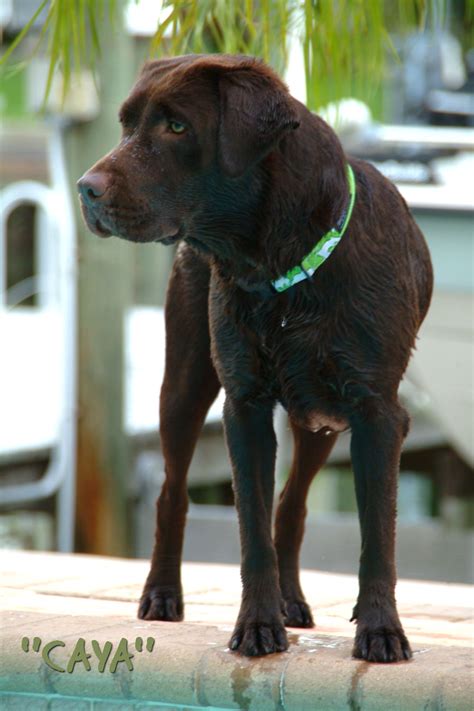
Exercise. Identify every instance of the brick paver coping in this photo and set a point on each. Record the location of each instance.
(88, 604)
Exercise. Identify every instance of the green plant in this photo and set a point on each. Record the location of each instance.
(345, 42)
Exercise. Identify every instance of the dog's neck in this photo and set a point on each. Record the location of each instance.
(228, 224)
(260, 225)
(309, 192)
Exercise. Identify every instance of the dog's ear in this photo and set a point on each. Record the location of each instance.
(256, 110)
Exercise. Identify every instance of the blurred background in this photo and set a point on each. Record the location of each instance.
(81, 319)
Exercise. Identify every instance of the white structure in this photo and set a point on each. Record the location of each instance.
(38, 345)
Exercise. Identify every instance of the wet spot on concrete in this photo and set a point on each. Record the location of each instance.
(355, 694)
(312, 642)
(241, 678)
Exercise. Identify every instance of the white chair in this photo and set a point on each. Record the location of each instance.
(38, 346)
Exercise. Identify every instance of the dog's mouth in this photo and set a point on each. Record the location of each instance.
(141, 228)
(93, 223)
(172, 237)
(100, 230)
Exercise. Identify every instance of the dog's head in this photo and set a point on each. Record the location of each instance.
(189, 122)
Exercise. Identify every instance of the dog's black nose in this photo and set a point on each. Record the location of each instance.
(93, 186)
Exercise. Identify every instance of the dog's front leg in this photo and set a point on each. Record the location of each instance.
(375, 449)
(252, 446)
(189, 387)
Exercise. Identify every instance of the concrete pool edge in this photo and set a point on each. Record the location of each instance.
(190, 665)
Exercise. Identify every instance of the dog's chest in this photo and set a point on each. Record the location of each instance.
(265, 351)
(298, 365)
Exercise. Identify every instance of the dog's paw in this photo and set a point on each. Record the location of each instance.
(383, 644)
(161, 604)
(298, 613)
(253, 639)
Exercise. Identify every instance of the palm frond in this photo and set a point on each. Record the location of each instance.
(345, 43)
(70, 36)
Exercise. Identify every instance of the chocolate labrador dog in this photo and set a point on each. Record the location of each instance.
(300, 278)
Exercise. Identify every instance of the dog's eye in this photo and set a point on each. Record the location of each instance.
(176, 127)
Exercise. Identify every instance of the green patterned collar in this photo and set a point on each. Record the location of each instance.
(323, 248)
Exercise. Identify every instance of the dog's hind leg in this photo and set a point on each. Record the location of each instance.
(189, 388)
(311, 450)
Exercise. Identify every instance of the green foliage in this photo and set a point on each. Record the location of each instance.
(345, 42)
(258, 28)
(70, 34)
(12, 94)
(345, 45)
